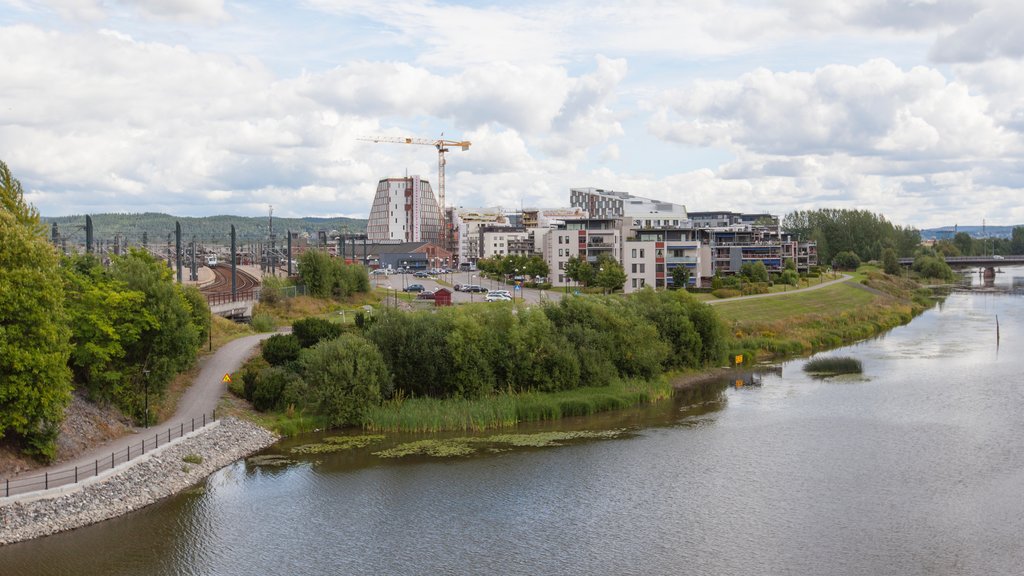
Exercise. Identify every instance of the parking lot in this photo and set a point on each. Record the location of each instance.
(400, 281)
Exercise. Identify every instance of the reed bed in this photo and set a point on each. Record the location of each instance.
(833, 366)
(507, 410)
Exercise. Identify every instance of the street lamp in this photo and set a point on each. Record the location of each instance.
(145, 383)
(472, 282)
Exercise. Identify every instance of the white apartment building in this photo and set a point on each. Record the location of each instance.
(404, 210)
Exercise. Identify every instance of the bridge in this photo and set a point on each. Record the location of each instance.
(984, 261)
(232, 305)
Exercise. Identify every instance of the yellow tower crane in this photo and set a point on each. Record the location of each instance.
(442, 147)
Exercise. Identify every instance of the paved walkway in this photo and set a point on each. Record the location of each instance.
(201, 398)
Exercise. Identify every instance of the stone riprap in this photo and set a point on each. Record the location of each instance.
(144, 482)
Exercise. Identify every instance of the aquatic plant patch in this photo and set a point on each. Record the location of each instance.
(338, 444)
(833, 366)
(465, 446)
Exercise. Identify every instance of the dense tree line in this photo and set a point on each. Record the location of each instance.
(72, 323)
(514, 264)
(473, 351)
(860, 232)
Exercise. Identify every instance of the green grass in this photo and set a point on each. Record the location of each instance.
(833, 366)
(507, 410)
(834, 299)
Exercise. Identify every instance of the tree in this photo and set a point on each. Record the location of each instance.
(281, 349)
(106, 318)
(680, 277)
(1017, 241)
(890, 262)
(12, 199)
(168, 344)
(345, 376)
(580, 271)
(754, 271)
(328, 277)
(34, 338)
(311, 331)
(964, 243)
(845, 261)
(610, 274)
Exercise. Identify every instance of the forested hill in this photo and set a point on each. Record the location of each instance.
(212, 229)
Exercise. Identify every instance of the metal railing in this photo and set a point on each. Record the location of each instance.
(47, 480)
(226, 298)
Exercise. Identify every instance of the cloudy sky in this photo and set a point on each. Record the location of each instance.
(910, 108)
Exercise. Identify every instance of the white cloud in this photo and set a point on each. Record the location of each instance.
(991, 33)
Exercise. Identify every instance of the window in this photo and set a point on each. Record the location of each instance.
(642, 283)
(643, 268)
(561, 265)
(634, 282)
(634, 271)
(634, 252)
(641, 252)
(559, 239)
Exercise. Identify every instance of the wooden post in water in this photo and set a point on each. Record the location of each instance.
(997, 331)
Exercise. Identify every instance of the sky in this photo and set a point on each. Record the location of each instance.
(913, 109)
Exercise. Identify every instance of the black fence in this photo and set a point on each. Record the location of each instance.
(149, 442)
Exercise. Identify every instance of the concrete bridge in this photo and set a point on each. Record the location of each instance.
(984, 261)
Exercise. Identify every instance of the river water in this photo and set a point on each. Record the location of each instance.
(914, 467)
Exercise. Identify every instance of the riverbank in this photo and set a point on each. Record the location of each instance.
(164, 473)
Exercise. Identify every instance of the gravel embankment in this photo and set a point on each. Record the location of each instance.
(163, 474)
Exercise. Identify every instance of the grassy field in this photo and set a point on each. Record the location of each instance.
(813, 320)
(836, 298)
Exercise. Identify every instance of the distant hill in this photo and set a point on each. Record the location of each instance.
(974, 231)
(208, 229)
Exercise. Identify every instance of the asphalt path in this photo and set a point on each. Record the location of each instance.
(201, 398)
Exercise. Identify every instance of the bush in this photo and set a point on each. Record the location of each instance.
(263, 323)
(280, 349)
(345, 376)
(846, 261)
(269, 387)
(726, 293)
(312, 331)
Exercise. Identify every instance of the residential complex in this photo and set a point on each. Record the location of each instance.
(650, 238)
(404, 210)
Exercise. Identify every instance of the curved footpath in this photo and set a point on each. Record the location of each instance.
(144, 480)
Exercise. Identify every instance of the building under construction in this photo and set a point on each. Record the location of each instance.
(405, 210)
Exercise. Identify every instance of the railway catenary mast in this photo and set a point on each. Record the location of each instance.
(442, 147)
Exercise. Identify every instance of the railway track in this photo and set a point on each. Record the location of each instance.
(219, 291)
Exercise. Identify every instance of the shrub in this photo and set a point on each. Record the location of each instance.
(846, 261)
(270, 384)
(280, 349)
(263, 323)
(726, 293)
(311, 331)
(345, 376)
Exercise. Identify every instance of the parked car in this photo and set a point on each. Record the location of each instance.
(425, 295)
(474, 288)
(380, 271)
(422, 274)
(459, 287)
(492, 297)
(504, 293)
(413, 288)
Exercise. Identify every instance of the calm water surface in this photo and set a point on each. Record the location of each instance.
(914, 467)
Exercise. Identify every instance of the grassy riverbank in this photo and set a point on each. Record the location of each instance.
(785, 325)
(813, 320)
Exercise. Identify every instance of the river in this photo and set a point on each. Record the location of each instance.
(914, 467)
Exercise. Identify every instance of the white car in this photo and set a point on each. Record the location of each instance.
(497, 298)
(504, 293)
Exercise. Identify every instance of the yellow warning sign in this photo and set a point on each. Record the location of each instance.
(739, 359)
(226, 379)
